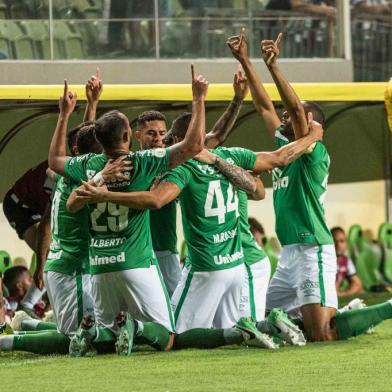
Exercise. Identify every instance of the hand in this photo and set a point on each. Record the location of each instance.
(156, 182)
(199, 85)
(68, 101)
(329, 11)
(94, 88)
(207, 157)
(315, 129)
(240, 84)
(91, 194)
(239, 46)
(270, 50)
(117, 170)
(38, 278)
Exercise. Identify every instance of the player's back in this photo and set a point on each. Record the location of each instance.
(210, 213)
(120, 236)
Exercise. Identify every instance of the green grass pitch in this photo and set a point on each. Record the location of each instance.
(359, 364)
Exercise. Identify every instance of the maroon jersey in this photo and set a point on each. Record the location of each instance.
(34, 188)
(346, 269)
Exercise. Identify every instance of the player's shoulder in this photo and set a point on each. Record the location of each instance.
(280, 138)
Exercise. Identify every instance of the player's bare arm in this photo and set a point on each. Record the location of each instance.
(161, 195)
(58, 150)
(259, 193)
(94, 89)
(43, 243)
(355, 287)
(225, 123)
(270, 52)
(290, 152)
(261, 99)
(193, 142)
(308, 8)
(238, 176)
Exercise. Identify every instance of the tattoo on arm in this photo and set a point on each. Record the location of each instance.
(238, 176)
(224, 125)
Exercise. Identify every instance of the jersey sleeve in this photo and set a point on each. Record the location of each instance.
(179, 176)
(351, 268)
(75, 168)
(242, 157)
(318, 155)
(280, 139)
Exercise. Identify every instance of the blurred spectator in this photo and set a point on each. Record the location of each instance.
(17, 280)
(371, 6)
(258, 231)
(313, 7)
(346, 270)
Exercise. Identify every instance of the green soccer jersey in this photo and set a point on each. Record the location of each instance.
(120, 237)
(164, 228)
(252, 251)
(210, 211)
(69, 233)
(299, 192)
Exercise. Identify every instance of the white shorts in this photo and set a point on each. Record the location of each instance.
(305, 274)
(70, 297)
(208, 299)
(169, 264)
(139, 291)
(254, 289)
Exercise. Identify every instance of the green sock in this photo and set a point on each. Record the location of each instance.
(358, 321)
(207, 338)
(105, 341)
(153, 334)
(31, 332)
(37, 325)
(50, 342)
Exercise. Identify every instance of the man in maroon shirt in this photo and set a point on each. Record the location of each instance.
(346, 269)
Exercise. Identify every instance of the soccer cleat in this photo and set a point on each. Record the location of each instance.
(124, 341)
(282, 327)
(19, 317)
(81, 343)
(252, 336)
(357, 303)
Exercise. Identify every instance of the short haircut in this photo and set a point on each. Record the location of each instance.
(12, 276)
(86, 140)
(149, 115)
(109, 129)
(71, 137)
(318, 114)
(180, 125)
(168, 140)
(337, 229)
(256, 225)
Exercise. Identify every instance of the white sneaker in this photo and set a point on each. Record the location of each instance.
(16, 323)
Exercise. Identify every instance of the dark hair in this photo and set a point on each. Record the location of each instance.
(180, 125)
(109, 128)
(168, 140)
(71, 137)
(149, 115)
(337, 229)
(318, 114)
(11, 277)
(256, 225)
(86, 140)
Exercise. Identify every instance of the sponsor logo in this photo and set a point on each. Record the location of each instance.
(55, 245)
(159, 152)
(226, 235)
(219, 260)
(308, 284)
(55, 255)
(278, 181)
(104, 260)
(107, 243)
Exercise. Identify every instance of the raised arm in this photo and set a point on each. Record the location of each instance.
(225, 123)
(58, 145)
(193, 142)
(314, 9)
(94, 89)
(260, 97)
(259, 193)
(291, 102)
(161, 195)
(290, 152)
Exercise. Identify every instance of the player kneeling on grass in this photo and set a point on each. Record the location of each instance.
(212, 233)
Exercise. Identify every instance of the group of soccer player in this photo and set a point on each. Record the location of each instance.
(110, 265)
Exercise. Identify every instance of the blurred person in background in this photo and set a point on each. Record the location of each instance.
(346, 271)
(257, 230)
